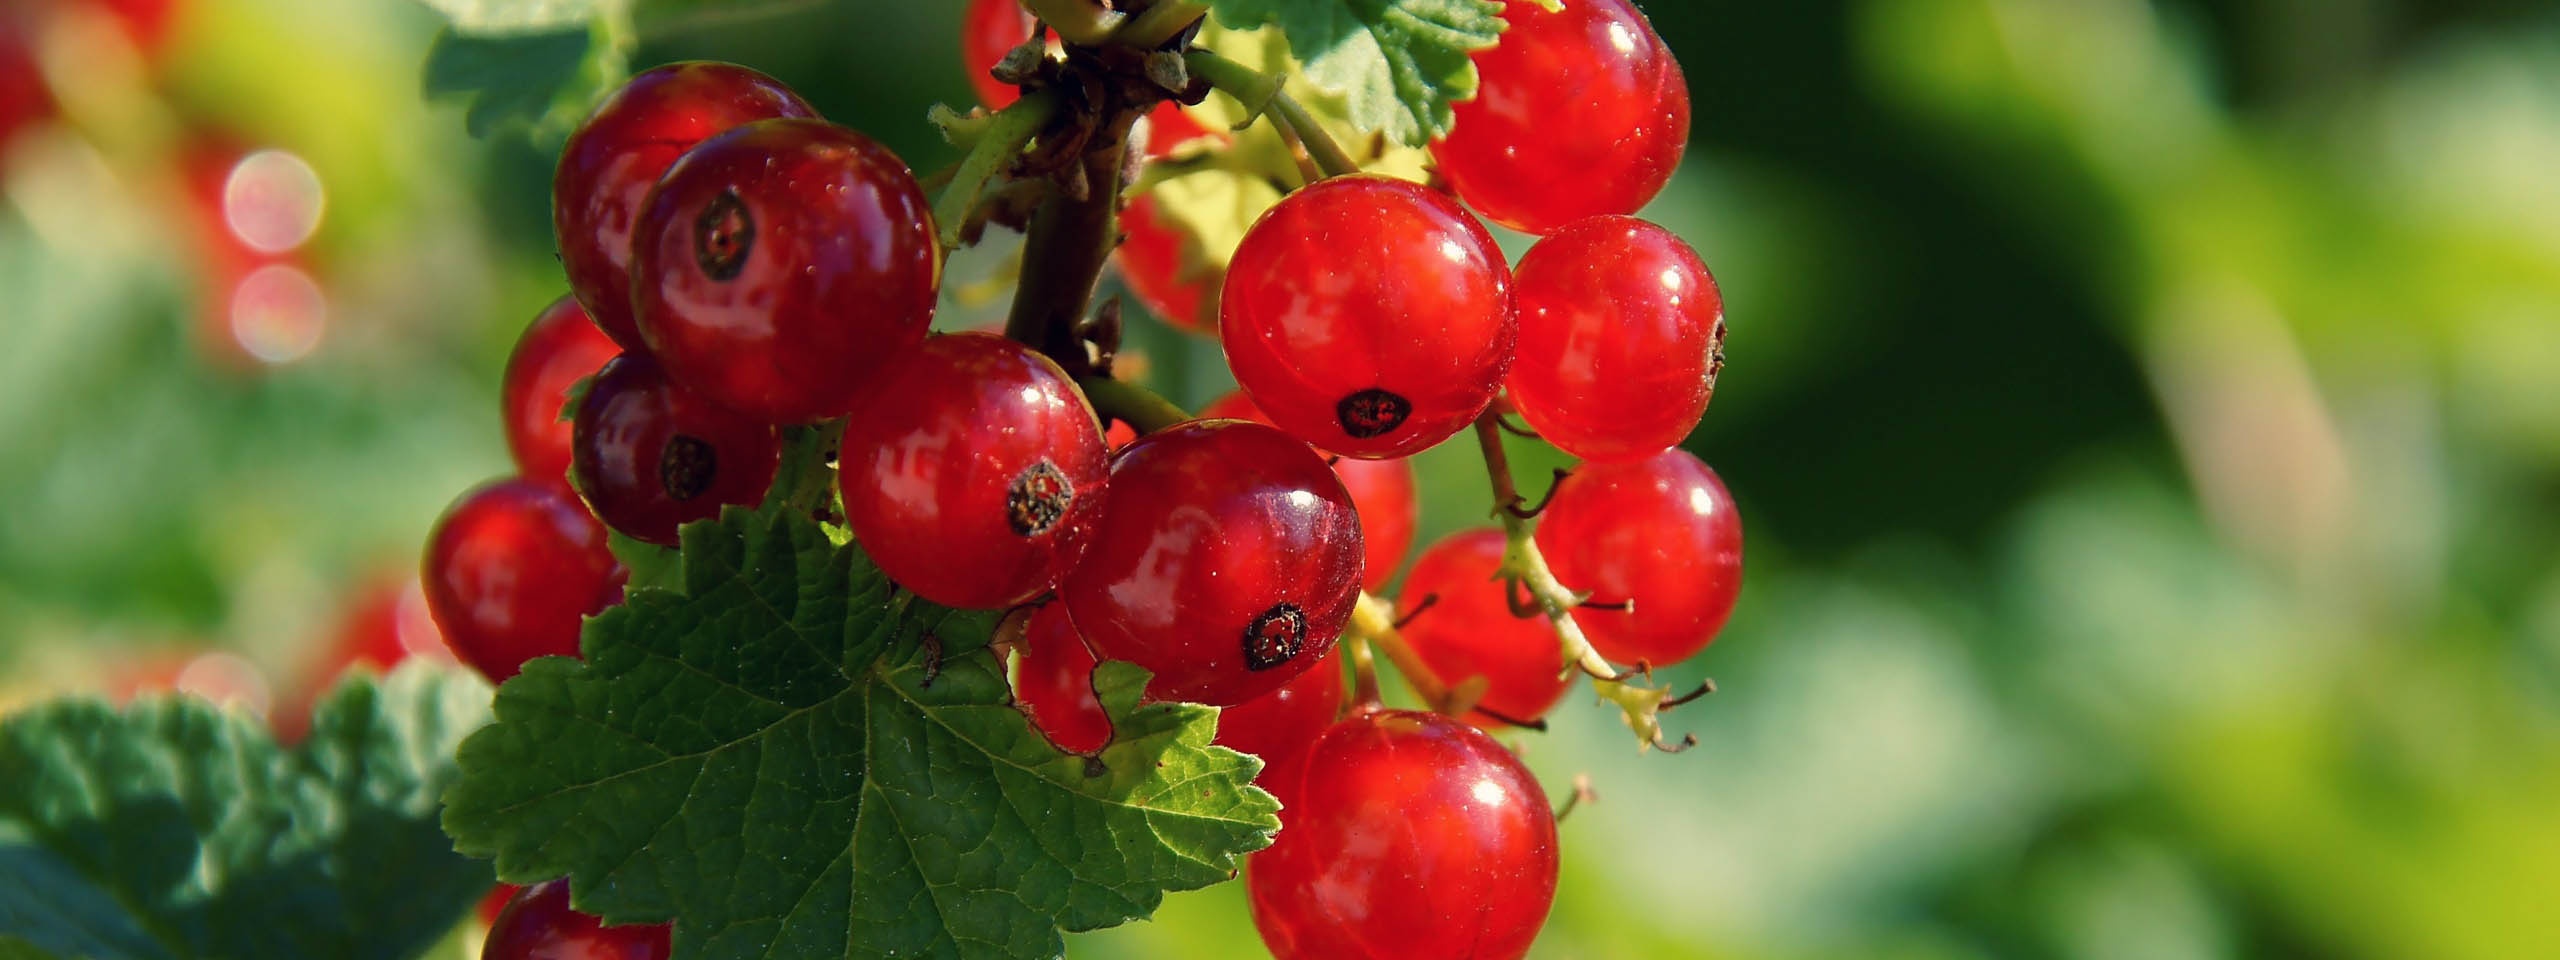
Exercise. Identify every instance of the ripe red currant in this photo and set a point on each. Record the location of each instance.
(1597, 62)
(538, 924)
(1469, 629)
(652, 456)
(609, 164)
(781, 264)
(1414, 837)
(1227, 561)
(1368, 316)
(1621, 336)
(1053, 681)
(1278, 726)
(1150, 259)
(975, 475)
(1382, 490)
(511, 570)
(1662, 533)
(561, 348)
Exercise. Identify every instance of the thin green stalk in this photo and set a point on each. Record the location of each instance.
(1264, 95)
(1003, 138)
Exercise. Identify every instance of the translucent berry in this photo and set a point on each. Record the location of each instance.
(1578, 112)
(1621, 337)
(561, 348)
(1661, 533)
(1469, 630)
(1053, 681)
(1151, 261)
(1278, 726)
(512, 570)
(652, 456)
(1383, 490)
(538, 924)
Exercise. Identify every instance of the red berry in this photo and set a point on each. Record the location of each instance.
(611, 161)
(25, 99)
(561, 348)
(1368, 316)
(1597, 64)
(1278, 726)
(1469, 629)
(1662, 533)
(511, 571)
(1621, 336)
(1053, 681)
(652, 456)
(538, 924)
(991, 29)
(1413, 837)
(781, 264)
(1150, 259)
(975, 476)
(1382, 490)
(1227, 561)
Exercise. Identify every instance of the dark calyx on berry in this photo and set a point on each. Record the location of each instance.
(1372, 412)
(1038, 498)
(723, 235)
(687, 467)
(1276, 637)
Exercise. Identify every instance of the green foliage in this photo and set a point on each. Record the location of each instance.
(1398, 64)
(500, 17)
(799, 762)
(172, 829)
(544, 79)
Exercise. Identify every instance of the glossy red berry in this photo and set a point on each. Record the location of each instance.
(1468, 630)
(1660, 532)
(611, 161)
(781, 265)
(1053, 681)
(1150, 261)
(975, 475)
(1578, 112)
(539, 925)
(1382, 490)
(1621, 337)
(512, 570)
(1368, 316)
(652, 456)
(1227, 561)
(1414, 837)
(1278, 726)
(559, 349)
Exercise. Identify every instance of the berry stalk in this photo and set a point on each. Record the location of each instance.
(1142, 409)
(998, 143)
(1160, 23)
(1264, 95)
(1077, 21)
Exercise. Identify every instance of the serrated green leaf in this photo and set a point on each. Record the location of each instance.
(502, 17)
(791, 760)
(1397, 64)
(544, 80)
(175, 830)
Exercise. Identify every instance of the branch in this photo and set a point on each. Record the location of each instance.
(1069, 239)
(1142, 409)
(997, 141)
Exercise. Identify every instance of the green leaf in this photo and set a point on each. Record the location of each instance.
(545, 80)
(174, 830)
(797, 761)
(499, 17)
(1398, 64)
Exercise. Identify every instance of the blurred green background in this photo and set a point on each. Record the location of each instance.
(2146, 417)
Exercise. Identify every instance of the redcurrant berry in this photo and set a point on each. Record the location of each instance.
(561, 348)
(1662, 533)
(781, 264)
(1414, 837)
(1053, 681)
(975, 475)
(1621, 337)
(1278, 726)
(1597, 62)
(1368, 316)
(1227, 561)
(652, 456)
(539, 925)
(1469, 630)
(1382, 490)
(1151, 258)
(611, 161)
(511, 570)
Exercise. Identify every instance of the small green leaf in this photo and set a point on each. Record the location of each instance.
(1398, 64)
(790, 759)
(499, 17)
(658, 18)
(545, 80)
(175, 830)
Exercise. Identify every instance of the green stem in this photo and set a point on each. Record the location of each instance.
(1139, 407)
(1084, 22)
(1002, 139)
(1263, 94)
(1160, 23)
(1064, 248)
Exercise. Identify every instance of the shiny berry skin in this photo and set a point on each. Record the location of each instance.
(559, 349)
(1414, 837)
(1382, 490)
(611, 161)
(1368, 316)
(1227, 562)
(975, 476)
(1469, 631)
(1278, 726)
(539, 925)
(511, 571)
(1578, 112)
(1053, 682)
(1150, 261)
(1621, 337)
(781, 264)
(1661, 532)
(652, 456)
